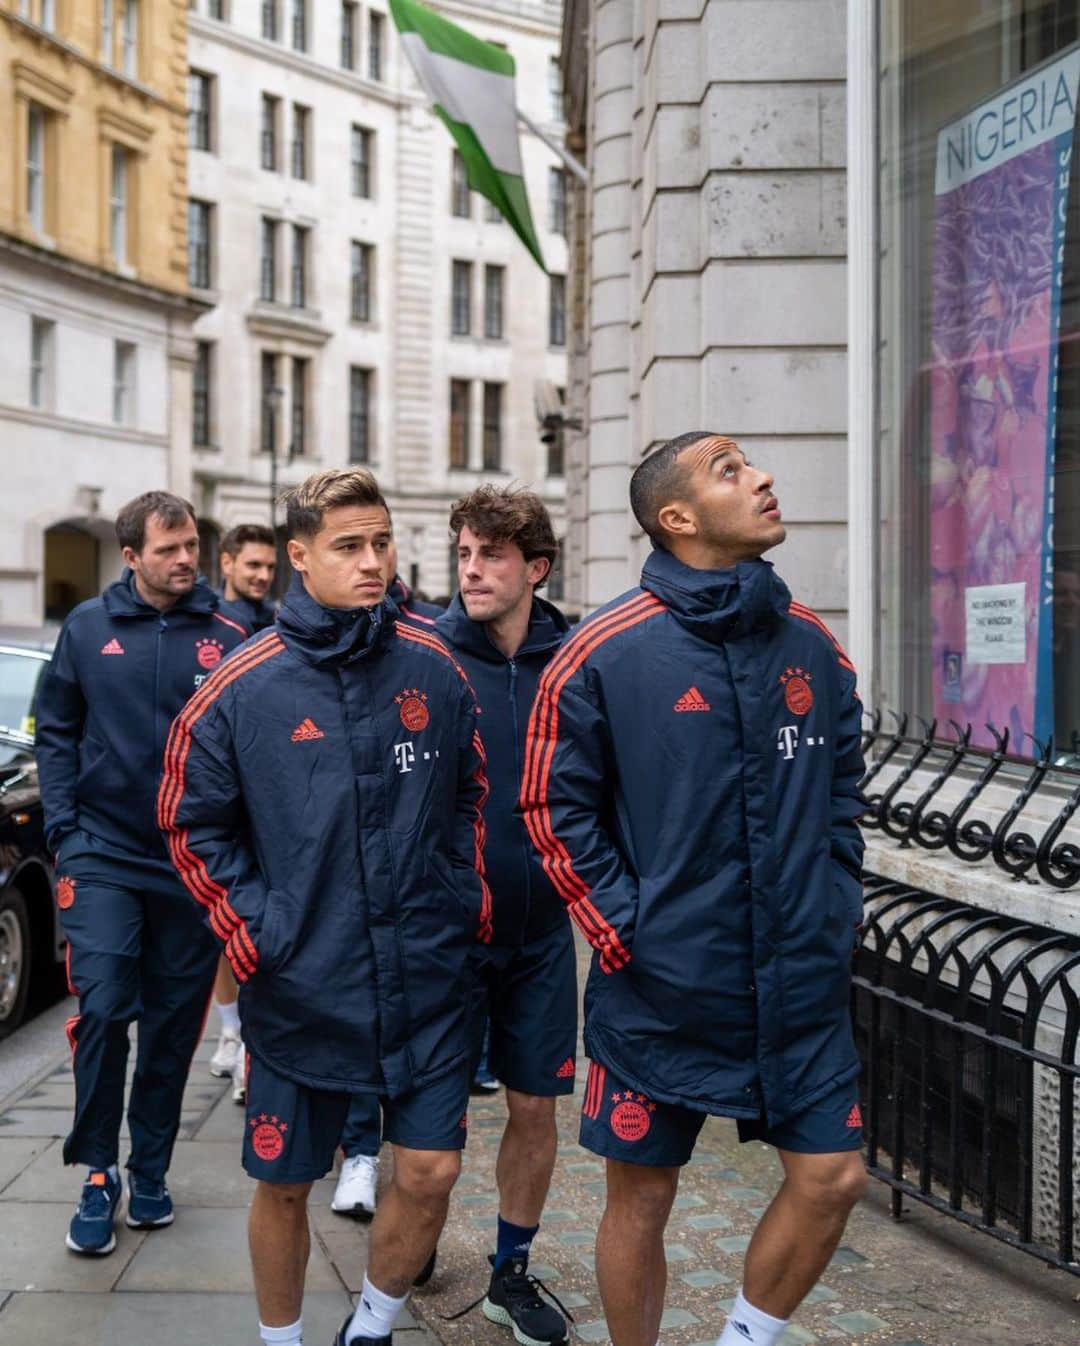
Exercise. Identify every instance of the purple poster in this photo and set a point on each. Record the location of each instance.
(1000, 201)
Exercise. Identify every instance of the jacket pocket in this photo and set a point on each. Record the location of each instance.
(848, 898)
(275, 937)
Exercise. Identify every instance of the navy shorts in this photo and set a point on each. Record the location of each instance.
(529, 996)
(621, 1123)
(293, 1130)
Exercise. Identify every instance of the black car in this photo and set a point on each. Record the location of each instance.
(31, 943)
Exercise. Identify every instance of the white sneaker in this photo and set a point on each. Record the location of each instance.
(239, 1087)
(223, 1061)
(355, 1192)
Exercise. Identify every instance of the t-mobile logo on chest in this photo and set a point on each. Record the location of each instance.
(405, 756)
(787, 740)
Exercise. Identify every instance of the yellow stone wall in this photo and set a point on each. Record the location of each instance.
(88, 107)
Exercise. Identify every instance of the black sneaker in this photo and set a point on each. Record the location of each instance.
(513, 1300)
(339, 1340)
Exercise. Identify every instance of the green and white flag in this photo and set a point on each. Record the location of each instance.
(471, 84)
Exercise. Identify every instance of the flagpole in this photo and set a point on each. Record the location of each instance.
(575, 166)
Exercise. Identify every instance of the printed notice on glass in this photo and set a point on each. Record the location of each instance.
(996, 624)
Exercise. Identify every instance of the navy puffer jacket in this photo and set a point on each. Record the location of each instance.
(119, 674)
(691, 784)
(525, 903)
(255, 614)
(322, 800)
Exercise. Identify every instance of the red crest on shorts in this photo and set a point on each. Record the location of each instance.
(209, 653)
(797, 694)
(630, 1120)
(415, 715)
(65, 892)
(267, 1136)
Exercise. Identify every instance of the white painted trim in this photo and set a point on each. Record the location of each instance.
(862, 125)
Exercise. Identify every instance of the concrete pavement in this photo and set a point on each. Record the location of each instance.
(923, 1282)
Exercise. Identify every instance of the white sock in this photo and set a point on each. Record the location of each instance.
(293, 1335)
(375, 1314)
(230, 1023)
(747, 1326)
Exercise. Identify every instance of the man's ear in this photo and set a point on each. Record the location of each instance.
(537, 570)
(297, 554)
(677, 518)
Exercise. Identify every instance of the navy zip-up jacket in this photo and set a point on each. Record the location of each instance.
(691, 783)
(402, 595)
(322, 800)
(119, 674)
(255, 615)
(526, 905)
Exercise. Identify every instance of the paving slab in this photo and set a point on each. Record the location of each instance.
(208, 1249)
(33, 1255)
(18, 1152)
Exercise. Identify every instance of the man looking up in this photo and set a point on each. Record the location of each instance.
(349, 904)
(248, 564)
(124, 665)
(692, 785)
(505, 636)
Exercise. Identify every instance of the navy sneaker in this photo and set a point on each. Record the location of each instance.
(149, 1202)
(339, 1340)
(91, 1231)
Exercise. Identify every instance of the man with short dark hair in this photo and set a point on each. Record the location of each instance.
(124, 665)
(248, 564)
(348, 905)
(505, 635)
(691, 783)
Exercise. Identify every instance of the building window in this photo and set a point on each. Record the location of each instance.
(123, 408)
(359, 415)
(35, 167)
(555, 89)
(361, 272)
(118, 205)
(360, 160)
(461, 299)
(299, 288)
(556, 585)
(268, 260)
(493, 302)
(200, 94)
(130, 38)
(216, 10)
(48, 15)
(299, 25)
(270, 20)
(301, 120)
(200, 394)
(557, 201)
(460, 196)
(978, 287)
(269, 136)
(42, 335)
(107, 50)
(459, 422)
(298, 437)
(376, 27)
(492, 213)
(493, 396)
(200, 262)
(556, 310)
(556, 444)
(269, 403)
(348, 34)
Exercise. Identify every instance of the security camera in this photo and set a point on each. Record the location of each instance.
(547, 400)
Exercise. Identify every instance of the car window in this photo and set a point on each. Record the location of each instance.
(19, 674)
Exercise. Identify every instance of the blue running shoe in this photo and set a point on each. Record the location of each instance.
(91, 1231)
(149, 1202)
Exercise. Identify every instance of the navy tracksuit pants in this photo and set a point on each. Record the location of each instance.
(140, 952)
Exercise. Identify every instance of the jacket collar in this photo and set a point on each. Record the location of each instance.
(332, 635)
(122, 599)
(547, 626)
(717, 605)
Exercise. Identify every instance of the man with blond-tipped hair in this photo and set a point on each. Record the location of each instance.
(321, 799)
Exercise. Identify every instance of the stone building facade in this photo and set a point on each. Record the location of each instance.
(95, 318)
(365, 306)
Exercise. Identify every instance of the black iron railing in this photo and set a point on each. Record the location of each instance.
(905, 809)
(967, 1024)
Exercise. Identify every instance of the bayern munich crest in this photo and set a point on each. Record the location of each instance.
(415, 715)
(209, 653)
(65, 892)
(797, 694)
(267, 1136)
(631, 1116)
